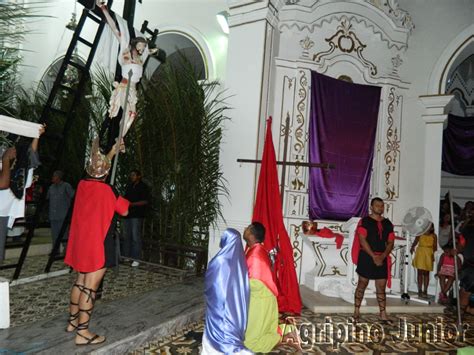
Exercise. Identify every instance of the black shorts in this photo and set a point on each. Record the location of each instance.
(367, 268)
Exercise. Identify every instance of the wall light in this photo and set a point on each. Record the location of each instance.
(222, 20)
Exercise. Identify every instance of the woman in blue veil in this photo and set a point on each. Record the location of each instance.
(227, 298)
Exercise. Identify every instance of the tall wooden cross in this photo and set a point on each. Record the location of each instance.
(284, 163)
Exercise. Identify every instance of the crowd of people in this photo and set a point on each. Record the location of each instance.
(240, 288)
(455, 253)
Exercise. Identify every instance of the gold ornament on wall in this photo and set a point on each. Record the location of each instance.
(346, 41)
(392, 153)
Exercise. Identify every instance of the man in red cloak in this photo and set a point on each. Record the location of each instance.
(90, 250)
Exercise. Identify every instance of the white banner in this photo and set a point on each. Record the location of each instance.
(19, 127)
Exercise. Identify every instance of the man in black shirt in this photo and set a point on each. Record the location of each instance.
(138, 195)
(371, 252)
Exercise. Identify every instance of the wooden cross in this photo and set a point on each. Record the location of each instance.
(285, 163)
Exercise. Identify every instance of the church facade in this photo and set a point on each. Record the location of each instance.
(411, 49)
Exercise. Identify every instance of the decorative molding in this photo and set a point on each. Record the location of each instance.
(461, 85)
(254, 11)
(319, 249)
(347, 42)
(345, 78)
(396, 63)
(340, 59)
(306, 44)
(392, 153)
(319, 23)
(391, 8)
(297, 251)
(300, 119)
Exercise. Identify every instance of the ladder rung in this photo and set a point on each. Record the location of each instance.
(55, 110)
(93, 17)
(67, 88)
(77, 65)
(8, 266)
(86, 42)
(14, 245)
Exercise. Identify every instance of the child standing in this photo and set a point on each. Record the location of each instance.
(446, 271)
(424, 259)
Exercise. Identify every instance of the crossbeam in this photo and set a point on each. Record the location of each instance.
(285, 163)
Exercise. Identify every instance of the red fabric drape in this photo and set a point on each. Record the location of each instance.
(268, 211)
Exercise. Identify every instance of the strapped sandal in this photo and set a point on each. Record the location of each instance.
(73, 316)
(85, 325)
(381, 299)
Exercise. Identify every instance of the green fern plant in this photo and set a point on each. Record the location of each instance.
(176, 144)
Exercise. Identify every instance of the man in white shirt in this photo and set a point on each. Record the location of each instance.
(11, 205)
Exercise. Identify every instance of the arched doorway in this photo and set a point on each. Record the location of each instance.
(177, 44)
(458, 78)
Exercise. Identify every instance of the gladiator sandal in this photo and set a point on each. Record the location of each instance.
(382, 300)
(85, 325)
(73, 316)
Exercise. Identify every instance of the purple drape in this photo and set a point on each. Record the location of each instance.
(458, 146)
(343, 123)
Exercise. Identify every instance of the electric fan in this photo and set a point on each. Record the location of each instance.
(417, 221)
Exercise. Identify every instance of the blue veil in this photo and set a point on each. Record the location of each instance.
(227, 295)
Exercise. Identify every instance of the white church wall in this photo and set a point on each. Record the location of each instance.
(352, 39)
(427, 43)
(49, 39)
(249, 72)
(403, 71)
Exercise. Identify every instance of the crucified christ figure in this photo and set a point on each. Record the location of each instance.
(132, 56)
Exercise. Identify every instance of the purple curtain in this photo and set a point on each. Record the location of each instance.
(343, 123)
(458, 146)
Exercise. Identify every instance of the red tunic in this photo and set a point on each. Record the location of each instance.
(260, 268)
(94, 208)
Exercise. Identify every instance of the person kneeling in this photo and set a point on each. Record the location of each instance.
(263, 332)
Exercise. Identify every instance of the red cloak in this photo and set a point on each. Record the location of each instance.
(268, 211)
(94, 208)
(258, 263)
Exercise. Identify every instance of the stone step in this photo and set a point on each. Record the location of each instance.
(127, 323)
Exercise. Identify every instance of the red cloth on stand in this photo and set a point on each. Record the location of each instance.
(260, 268)
(328, 233)
(268, 211)
(94, 208)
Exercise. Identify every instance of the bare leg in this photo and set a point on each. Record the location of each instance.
(426, 281)
(419, 275)
(449, 282)
(380, 286)
(74, 303)
(442, 284)
(86, 305)
(359, 295)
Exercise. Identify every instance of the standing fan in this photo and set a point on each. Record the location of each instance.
(416, 221)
